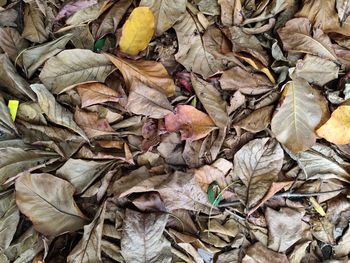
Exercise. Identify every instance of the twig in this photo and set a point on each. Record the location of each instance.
(238, 217)
(288, 194)
(228, 204)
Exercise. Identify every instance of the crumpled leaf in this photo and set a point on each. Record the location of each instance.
(96, 93)
(81, 173)
(9, 218)
(322, 229)
(246, 82)
(72, 67)
(343, 7)
(8, 17)
(12, 81)
(151, 73)
(54, 111)
(342, 248)
(166, 13)
(48, 202)
(230, 12)
(34, 57)
(285, 228)
(297, 117)
(192, 52)
(11, 42)
(137, 31)
(34, 24)
(142, 238)
(192, 123)
(336, 129)
(316, 70)
(258, 253)
(5, 116)
(85, 15)
(250, 166)
(147, 101)
(296, 37)
(89, 247)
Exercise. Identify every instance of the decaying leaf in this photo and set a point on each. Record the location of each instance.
(11, 42)
(296, 119)
(143, 239)
(259, 253)
(257, 121)
(192, 123)
(34, 24)
(137, 31)
(48, 202)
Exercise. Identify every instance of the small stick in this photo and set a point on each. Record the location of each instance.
(288, 194)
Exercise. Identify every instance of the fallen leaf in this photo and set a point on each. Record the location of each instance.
(166, 13)
(71, 7)
(73, 67)
(342, 248)
(9, 218)
(257, 121)
(34, 24)
(85, 14)
(192, 52)
(296, 37)
(192, 123)
(82, 173)
(258, 253)
(285, 228)
(112, 18)
(250, 166)
(322, 230)
(299, 252)
(96, 93)
(11, 42)
(151, 73)
(231, 12)
(147, 101)
(336, 129)
(34, 57)
(89, 247)
(5, 116)
(54, 111)
(137, 31)
(246, 82)
(143, 240)
(301, 110)
(316, 70)
(48, 202)
(12, 81)
(343, 7)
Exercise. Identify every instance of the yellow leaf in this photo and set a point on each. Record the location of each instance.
(137, 31)
(317, 206)
(13, 106)
(337, 128)
(258, 66)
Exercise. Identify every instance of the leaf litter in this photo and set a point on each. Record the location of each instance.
(174, 131)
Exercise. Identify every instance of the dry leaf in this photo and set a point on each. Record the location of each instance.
(151, 73)
(250, 166)
(192, 123)
(336, 129)
(258, 253)
(34, 24)
(257, 121)
(48, 202)
(137, 31)
(143, 239)
(296, 119)
(11, 42)
(73, 67)
(166, 13)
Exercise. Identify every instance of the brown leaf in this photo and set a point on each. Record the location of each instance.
(342, 248)
(296, 37)
(257, 121)
(285, 228)
(258, 253)
(245, 82)
(11, 42)
(48, 202)
(192, 123)
(147, 101)
(151, 73)
(322, 229)
(231, 12)
(143, 240)
(250, 166)
(34, 24)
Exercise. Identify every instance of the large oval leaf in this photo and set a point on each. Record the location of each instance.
(296, 119)
(74, 66)
(48, 202)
